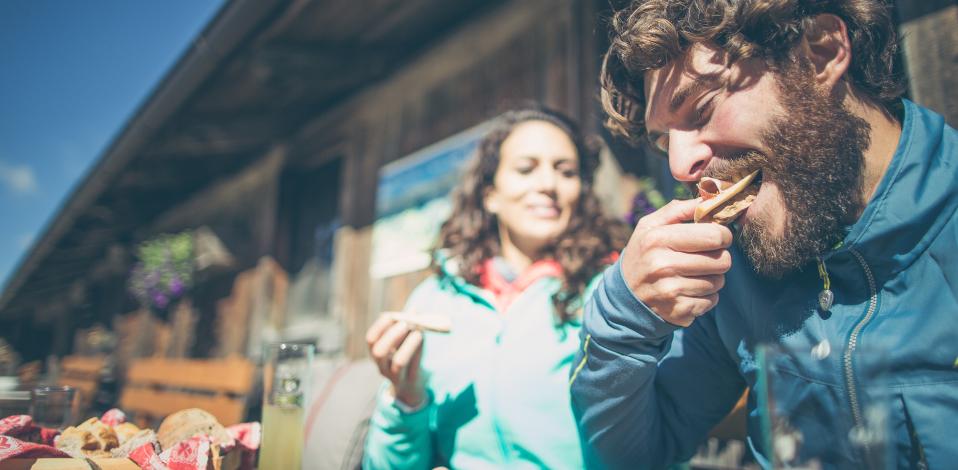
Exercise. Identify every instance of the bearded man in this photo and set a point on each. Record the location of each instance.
(846, 261)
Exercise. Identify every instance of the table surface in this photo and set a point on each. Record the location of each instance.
(67, 464)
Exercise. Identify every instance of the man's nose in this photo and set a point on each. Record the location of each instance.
(688, 155)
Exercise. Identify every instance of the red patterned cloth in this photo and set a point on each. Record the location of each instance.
(191, 454)
(113, 417)
(15, 425)
(247, 436)
(195, 453)
(145, 456)
(22, 427)
(20, 438)
(504, 291)
(11, 447)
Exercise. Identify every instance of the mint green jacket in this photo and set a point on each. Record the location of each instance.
(498, 386)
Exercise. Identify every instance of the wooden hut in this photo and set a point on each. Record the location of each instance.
(273, 131)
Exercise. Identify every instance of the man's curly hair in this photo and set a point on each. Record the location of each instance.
(471, 234)
(651, 33)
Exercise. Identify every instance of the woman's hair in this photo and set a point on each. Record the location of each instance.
(471, 235)
(651, 33)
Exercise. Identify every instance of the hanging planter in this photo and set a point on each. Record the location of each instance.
(164, 272)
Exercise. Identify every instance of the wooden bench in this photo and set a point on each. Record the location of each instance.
(734, 425)
(83, 374)
(157, 387)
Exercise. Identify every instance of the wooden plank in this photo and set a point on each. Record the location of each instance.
(352, 286)
(44, 464)
(116, 464)
(733, 426)
(233, 375)
(930, 44)
(585, 35)
(457, 55)
(85, 387)
(353, 243)
(67, 464)
(157, 403)
(83, 374)
(82, 366)
(219, 199)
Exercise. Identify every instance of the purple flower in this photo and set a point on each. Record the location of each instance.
(641, 206)
(176, 287)
(160, 300)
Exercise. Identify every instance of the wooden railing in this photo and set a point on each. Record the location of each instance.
(157, 387)
(83, 374)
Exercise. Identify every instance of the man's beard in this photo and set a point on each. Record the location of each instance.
(816, 158)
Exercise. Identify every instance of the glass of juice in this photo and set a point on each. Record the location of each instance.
(286, 369)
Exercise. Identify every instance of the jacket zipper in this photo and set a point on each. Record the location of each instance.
(853, 341)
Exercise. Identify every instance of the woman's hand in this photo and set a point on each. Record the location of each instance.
(397, 349)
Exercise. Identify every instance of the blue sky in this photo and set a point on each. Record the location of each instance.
(71, 74)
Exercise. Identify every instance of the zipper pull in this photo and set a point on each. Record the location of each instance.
(826, 297)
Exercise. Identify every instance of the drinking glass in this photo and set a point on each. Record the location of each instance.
(286, 375)
(54, 407)
(808, 418)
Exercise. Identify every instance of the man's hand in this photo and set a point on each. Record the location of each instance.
(677, 268)
(397, 349)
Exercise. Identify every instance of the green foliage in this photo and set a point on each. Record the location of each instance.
(682, 191)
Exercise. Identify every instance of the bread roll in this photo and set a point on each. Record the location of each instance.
(187, 423)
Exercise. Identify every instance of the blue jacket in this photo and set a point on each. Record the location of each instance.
(645, 395)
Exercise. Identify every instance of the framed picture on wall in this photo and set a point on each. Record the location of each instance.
(413, 200)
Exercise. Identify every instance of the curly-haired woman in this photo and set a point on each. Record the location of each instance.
(525, 240)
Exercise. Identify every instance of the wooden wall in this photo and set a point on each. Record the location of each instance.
(929, 30)
(526, 50)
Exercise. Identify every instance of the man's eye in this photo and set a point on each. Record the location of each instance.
(703, 114)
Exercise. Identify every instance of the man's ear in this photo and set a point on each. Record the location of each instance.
(828, 49)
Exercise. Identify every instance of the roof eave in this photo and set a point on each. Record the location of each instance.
(233, 24)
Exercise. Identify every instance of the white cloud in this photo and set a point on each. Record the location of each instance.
(25, 241)
(18, 178)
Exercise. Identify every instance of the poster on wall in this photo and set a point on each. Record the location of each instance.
(413, 200)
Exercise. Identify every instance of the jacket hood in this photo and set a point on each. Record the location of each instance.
(894, 230)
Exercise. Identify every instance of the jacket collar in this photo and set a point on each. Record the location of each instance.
(505, 291)
(490, 294)
(915, 198)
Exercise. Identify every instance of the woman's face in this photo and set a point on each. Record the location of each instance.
(536, 186)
